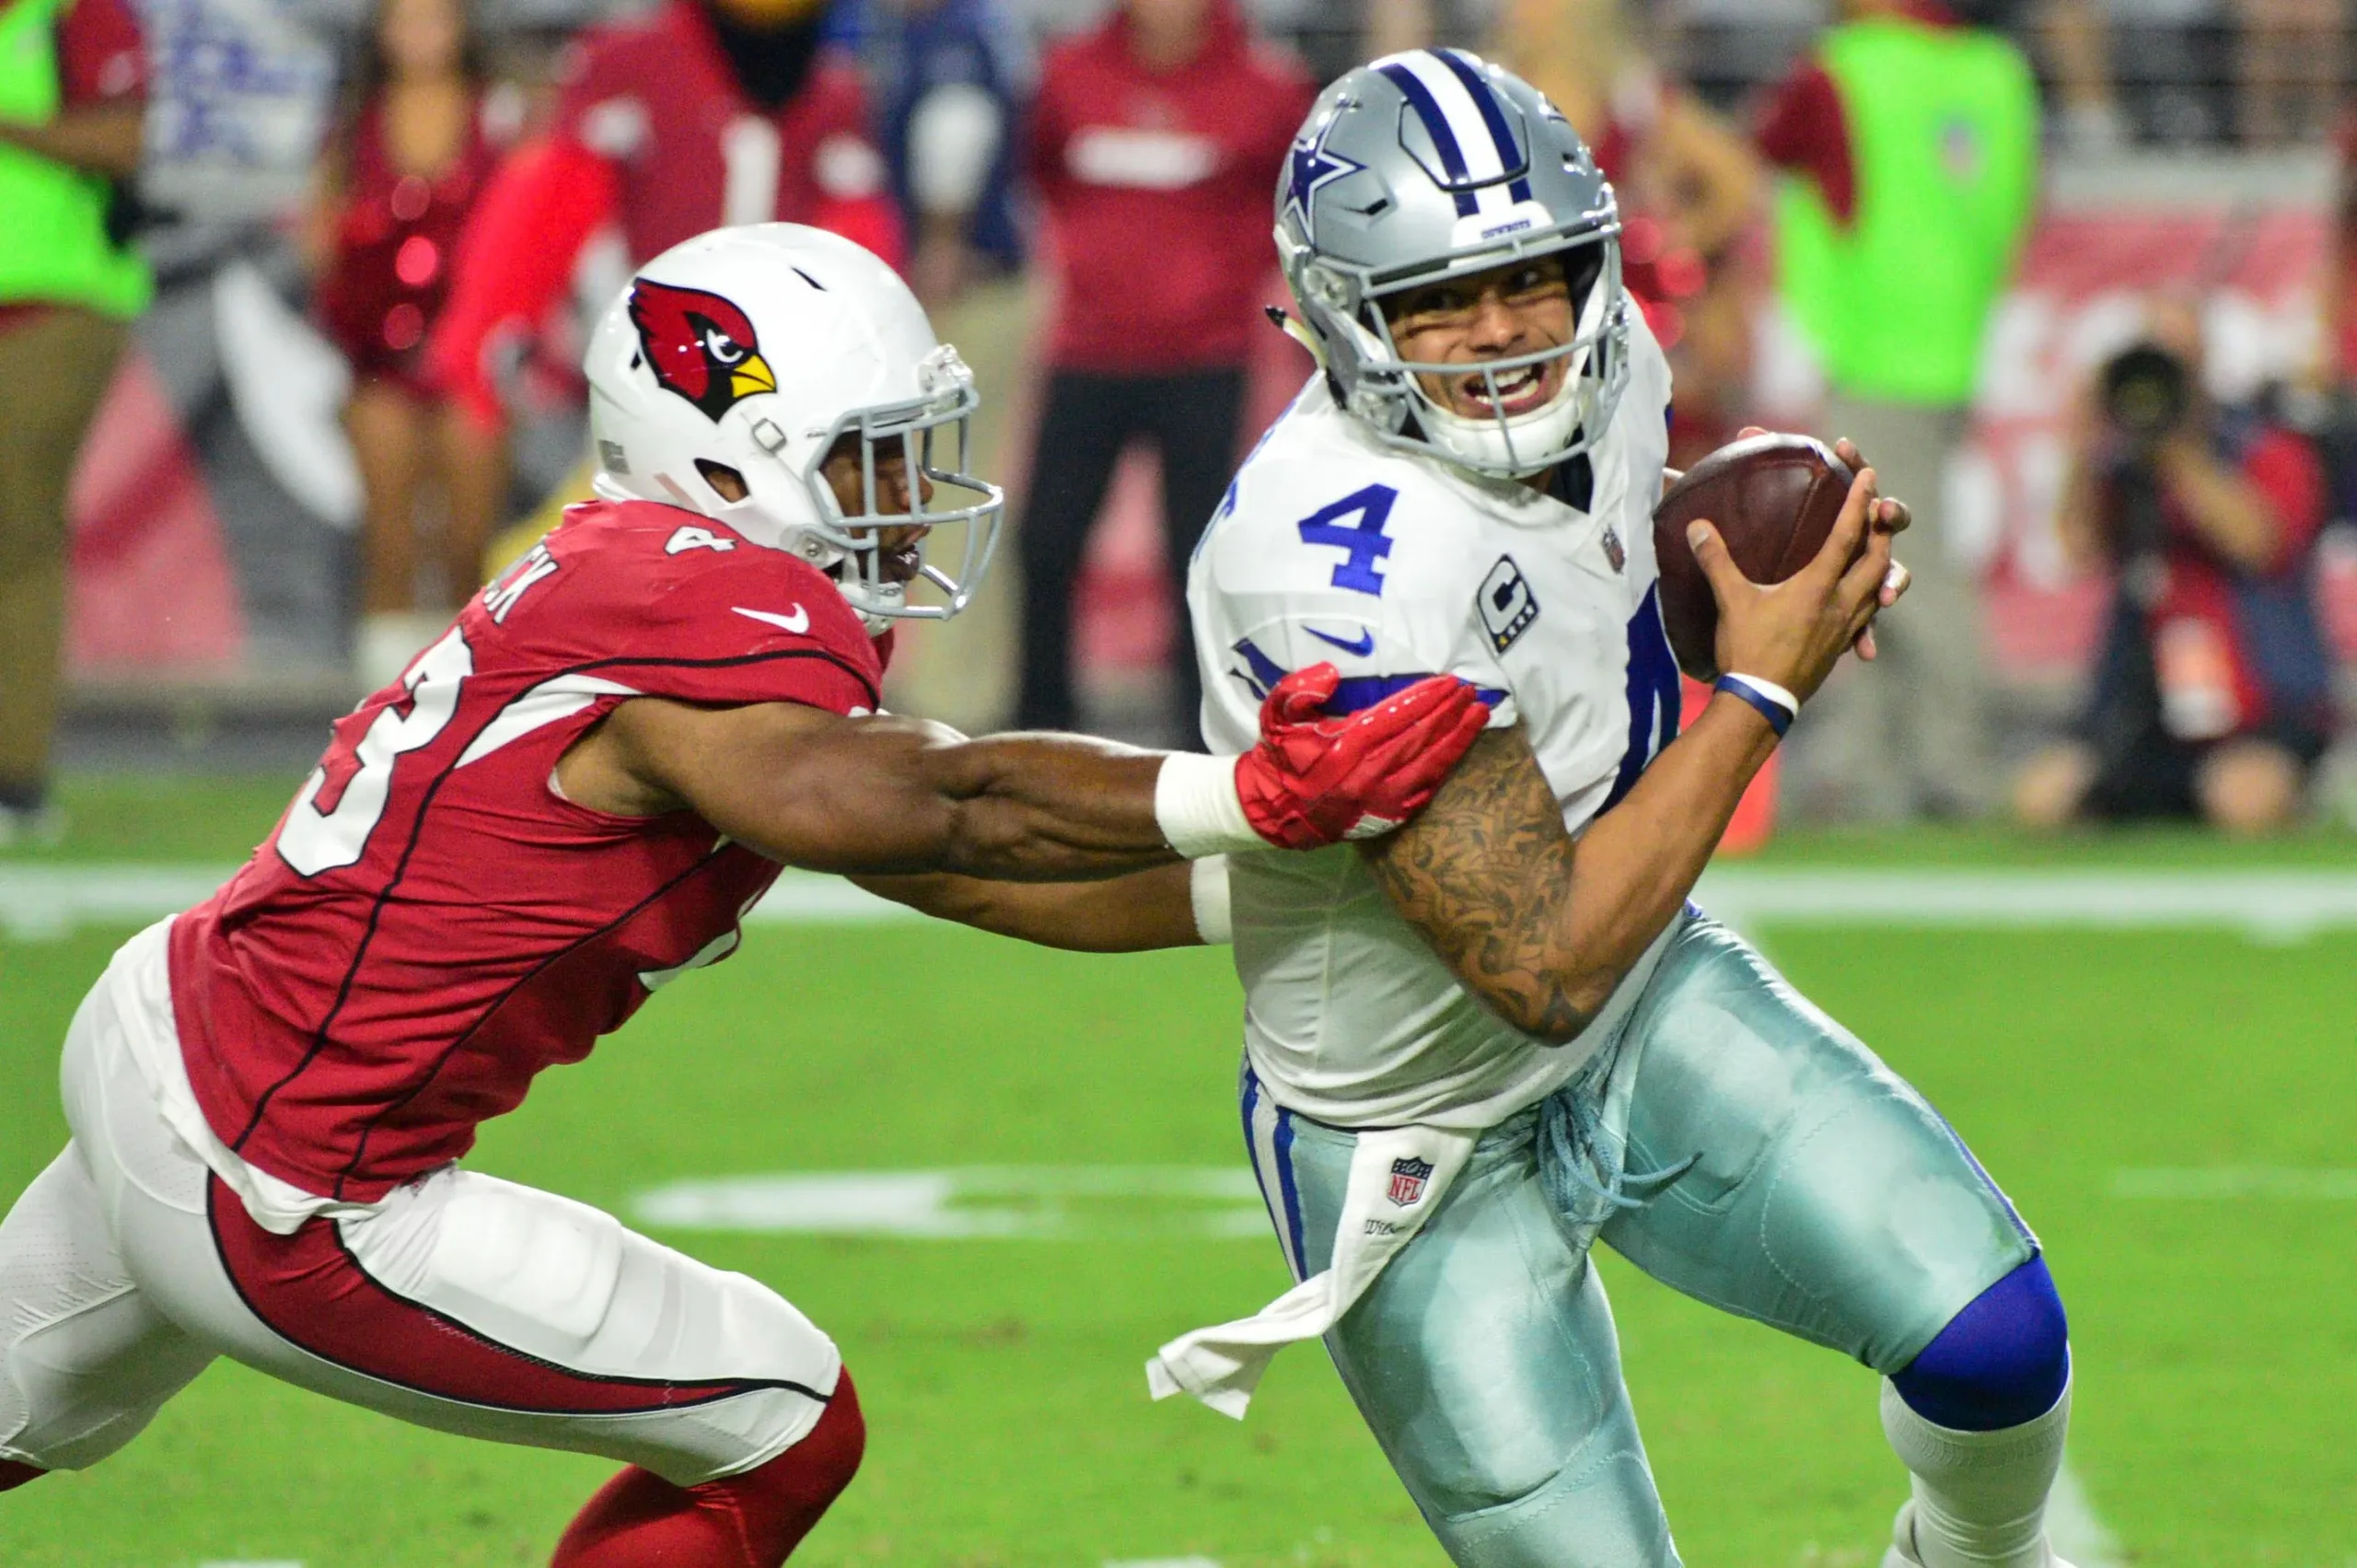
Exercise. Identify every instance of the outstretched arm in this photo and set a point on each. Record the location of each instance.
(895, 795)
(888, 795)
(1542, 927)
(1136, 913)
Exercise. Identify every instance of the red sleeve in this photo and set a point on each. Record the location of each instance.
(513, 261)
(2284, 468)
(100, 56)
(1803, 131)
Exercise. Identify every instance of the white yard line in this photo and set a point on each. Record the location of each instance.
(1161, 1562)
(2264, 905)
(2193, 1183)
(2079, 1536)
(48, 900)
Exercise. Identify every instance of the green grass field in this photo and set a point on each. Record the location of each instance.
(1009, 1424)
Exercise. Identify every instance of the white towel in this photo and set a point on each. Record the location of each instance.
(1397, 1178)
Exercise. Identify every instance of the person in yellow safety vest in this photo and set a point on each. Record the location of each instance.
(1909, 143)
(73, 103)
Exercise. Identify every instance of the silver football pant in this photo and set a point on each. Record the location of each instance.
(1825, 1197)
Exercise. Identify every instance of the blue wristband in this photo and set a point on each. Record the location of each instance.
(1780, 718)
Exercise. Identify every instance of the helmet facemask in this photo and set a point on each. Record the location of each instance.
(1594, 363)
(1388, 391)
(929, 435)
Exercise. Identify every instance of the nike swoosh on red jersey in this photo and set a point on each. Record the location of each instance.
(798, 622)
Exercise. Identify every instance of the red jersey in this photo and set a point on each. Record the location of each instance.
(431, 924)
(656, 98)
(395, 237)
(1156, 188)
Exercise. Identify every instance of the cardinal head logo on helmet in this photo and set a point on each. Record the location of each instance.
(699, 345)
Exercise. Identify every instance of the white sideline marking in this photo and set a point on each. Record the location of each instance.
(40, 902)
(272, 1562)
(2077, 1535)
(1030, 1203)
(1161, 1562)
(47, 901)
(2234, 1181)
(2270, 906)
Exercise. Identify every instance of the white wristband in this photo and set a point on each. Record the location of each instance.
(1207, 888)
(1196, 806)
(1769, 689)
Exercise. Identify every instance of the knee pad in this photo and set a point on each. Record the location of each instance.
(2000, 1362)
(14, 1475)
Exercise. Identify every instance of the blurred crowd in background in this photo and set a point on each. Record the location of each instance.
(302, 282)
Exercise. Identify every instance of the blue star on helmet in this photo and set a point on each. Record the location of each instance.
(1310, 169)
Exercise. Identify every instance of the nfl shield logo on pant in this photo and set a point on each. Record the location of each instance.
(1407, 1181)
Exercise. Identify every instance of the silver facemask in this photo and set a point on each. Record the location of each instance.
(931, 434)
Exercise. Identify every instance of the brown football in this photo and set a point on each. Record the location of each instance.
(1774, 499)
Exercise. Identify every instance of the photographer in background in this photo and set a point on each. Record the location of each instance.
(2213, 688)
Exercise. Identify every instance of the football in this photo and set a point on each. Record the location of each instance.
(1773, 498)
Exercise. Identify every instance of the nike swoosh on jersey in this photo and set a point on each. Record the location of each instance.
(798, 622)
(1363, 646)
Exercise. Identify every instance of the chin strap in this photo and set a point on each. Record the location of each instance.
(1298, 333)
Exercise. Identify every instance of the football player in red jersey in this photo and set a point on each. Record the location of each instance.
(568, 800)
(695, 114)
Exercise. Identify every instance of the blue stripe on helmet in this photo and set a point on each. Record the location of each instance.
(1428, 110)
(1510, 155)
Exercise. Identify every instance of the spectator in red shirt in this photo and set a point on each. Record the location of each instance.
(72, 105)
(1154, 143)
(701, 113)
(2213, 689)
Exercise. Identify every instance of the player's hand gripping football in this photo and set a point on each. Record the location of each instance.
(1795, 631)
(1889, 516)
(1316, 779)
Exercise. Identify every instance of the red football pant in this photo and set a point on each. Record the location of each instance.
(14, 1475)
(754, 1520)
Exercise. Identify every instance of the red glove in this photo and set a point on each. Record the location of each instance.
(1317, 780)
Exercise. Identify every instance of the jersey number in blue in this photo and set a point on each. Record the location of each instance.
(1363, 541)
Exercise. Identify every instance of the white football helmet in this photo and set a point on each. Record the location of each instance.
(757, 350)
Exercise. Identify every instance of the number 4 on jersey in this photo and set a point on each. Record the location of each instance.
(1365, 540)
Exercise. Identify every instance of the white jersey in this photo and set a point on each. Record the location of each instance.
(1332, 547)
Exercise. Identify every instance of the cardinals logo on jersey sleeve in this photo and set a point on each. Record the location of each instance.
(699, 345)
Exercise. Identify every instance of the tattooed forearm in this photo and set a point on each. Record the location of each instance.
(1485, 875)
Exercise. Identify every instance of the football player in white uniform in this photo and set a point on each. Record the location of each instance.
(1479, 1044)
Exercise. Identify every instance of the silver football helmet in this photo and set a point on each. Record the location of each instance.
(1431, 165)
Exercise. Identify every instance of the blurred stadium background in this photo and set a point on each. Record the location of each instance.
(2145, 1030)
